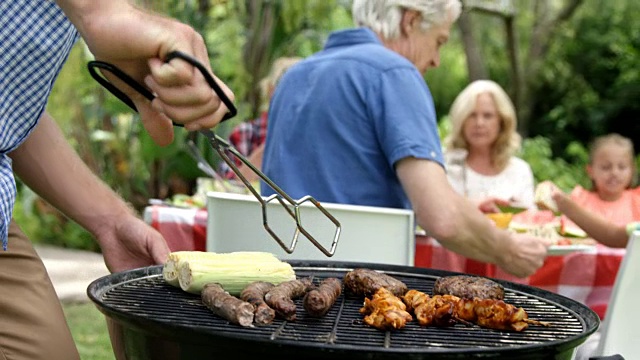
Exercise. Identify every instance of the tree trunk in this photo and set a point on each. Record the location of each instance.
(475, 63)
(260, 26)
(546, 23)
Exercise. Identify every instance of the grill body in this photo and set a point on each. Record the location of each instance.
(149, 319)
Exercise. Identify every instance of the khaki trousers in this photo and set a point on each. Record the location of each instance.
(32, 323)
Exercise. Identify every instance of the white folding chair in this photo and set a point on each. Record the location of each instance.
(368, 234)
(620, 326)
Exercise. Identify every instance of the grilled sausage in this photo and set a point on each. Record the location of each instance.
(281, 297)
(254, 294)
(366, 282)
(227, 306)
(468, 287)
(317, 302)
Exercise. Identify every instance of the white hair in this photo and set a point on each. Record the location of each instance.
(383, 16)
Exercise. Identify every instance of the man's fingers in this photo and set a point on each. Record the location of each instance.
(158, 125)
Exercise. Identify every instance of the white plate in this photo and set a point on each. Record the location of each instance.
(567, 249)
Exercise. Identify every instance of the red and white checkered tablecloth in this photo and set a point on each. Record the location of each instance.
(183, 229)
(587, 277)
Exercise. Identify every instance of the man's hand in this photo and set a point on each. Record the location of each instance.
(137, 42)
(131, 244)
(524, 255)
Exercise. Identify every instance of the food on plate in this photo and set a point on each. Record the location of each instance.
(366, 282)
(233, 271)
(227, 306)
(280, 297)
(254, 294)
(385, 311)
(468, 287)
(501, 220)
(543, 196)
(569, 229)
(318, 301)
(447, 310)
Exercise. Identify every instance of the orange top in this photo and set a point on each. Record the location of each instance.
(621, 212)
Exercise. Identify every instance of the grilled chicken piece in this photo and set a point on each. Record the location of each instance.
(385, 311)
(447, 310)
(366, 282)
(496, 314)
(436, 310)
(468, 287)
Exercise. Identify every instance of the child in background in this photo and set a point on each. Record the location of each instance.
(612, 171)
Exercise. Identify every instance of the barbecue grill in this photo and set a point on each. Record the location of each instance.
(149, 319)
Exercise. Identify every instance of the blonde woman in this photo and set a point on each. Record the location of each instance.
(480, 151)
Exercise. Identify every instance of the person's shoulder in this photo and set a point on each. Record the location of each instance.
(581, 195)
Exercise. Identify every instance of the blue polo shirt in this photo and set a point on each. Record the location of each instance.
(341, 119)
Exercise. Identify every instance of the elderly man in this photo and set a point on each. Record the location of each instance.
(355, 123)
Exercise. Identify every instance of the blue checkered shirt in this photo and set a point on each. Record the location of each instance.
(35, 40)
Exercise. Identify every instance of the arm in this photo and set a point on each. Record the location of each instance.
(595, 226)
(460, 226)
(137, 41)
(51, 168)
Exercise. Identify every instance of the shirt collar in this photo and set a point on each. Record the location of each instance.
(352, 37)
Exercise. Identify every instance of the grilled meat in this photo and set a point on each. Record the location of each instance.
(280, 297)
(468, 287)
(385, 311)
(447, 310)
(227, 306)
(318, 301)
(366, 282)
(254, 294)
(432, 310)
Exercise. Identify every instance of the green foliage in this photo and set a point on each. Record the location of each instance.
(590, 82)
(537, 152)
(589, 85)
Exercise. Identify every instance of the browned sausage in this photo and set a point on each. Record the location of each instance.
(281, 297)
(227, 306)
(254, 294)
(318, 301)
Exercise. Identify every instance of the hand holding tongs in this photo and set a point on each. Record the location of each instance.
(219, 145)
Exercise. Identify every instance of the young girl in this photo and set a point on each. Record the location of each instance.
(612, 171)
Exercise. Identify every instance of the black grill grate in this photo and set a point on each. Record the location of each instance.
(147, 301)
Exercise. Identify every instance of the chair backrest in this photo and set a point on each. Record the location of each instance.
(368, 234)
(618, 334)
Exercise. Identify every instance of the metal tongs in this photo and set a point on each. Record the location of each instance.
(220, 145)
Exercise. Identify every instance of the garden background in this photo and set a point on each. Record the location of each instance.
(570, 66)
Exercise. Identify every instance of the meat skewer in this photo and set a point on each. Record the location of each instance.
(254, 294)
(227, 306)
(366, 282)
(446, 310)
(281, 297)
(385, 311)
(317, 302)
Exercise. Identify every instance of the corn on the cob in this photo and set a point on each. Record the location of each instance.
(170, 268)
(233, 271)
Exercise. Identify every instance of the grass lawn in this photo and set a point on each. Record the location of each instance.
(89, 330)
